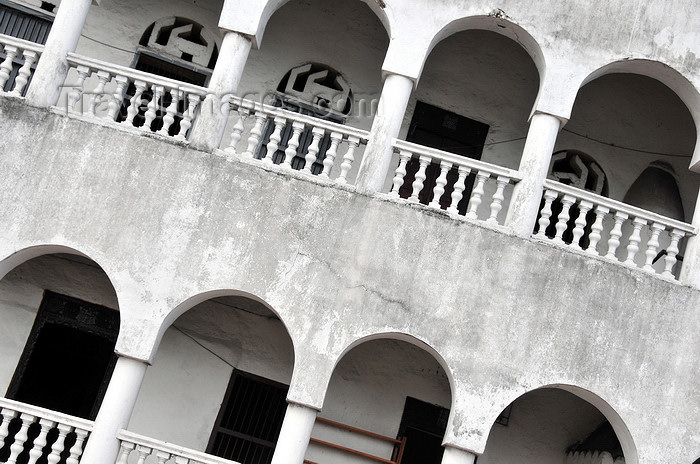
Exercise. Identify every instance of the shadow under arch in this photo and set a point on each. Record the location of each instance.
(499, 25)
(666, 75)
(273, 5)
(621, 430)
(404, 337)
(193, 301)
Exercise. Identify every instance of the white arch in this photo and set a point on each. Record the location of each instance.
(668, 76)
(623, 433)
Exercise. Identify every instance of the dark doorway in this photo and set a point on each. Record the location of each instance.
(250, 419)
(69, 357)
(441, 129)
(423, 424)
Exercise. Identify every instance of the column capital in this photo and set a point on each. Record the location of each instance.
(562, 119)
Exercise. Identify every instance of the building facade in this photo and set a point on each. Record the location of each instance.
(349, 231)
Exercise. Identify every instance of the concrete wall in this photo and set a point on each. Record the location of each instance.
(506, 315)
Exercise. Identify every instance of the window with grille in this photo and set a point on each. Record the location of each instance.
(250, 419)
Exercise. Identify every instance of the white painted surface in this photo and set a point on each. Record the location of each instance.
(295, 434)
(115, 411)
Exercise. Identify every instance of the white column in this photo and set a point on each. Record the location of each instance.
(118, 404)
(209, 126)
(52, 68)
(385, 127)
(295, 434)
(690, 267)
(457, 456)
(534, 166)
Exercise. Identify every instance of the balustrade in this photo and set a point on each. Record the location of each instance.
(603, 227)
(295, 141)
(592, 457)
(133, 98)
(142, 450)
(443, 180)
(18, 59)
(29, 434)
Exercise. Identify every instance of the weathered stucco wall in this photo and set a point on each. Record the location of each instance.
(505, 315)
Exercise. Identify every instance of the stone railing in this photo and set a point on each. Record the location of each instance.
(591, 457)
(149, 451)
(603, 227)
(109, 92)
(454, 183)
(18, 59)
(296, 141)
(40, 434)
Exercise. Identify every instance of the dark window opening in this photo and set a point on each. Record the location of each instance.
(46, 6)
(423, 425)
(69, 357)
(437, 128)
(250, 419)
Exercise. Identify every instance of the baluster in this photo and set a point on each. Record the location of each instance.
(24, 72)
(21, 438)
(143, 452)
(193, 101)
(498, 197)
(77, 449)
(77, 90)
(635, 238)
(615, 234)
(135, 103)
(59, 444)
(404, 156)
(238, 128)
(477, 194)
(115, 103)
(671, 252)
(153, 106)
(162, 456)
(125, 449)
(546, 213)
(567, 202)
(170, 112)
(181, 460)
(596, 230)
(348, 159)
(275, 139)
(579, 225)
(7, 416)
(255, 134)
(312, 154)
(331, 153)
(98, 94)
(440, 184)
(291, 151)
(6, 66)
(40, 441)
(458, 191)
(653, 245)
(423, 162)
